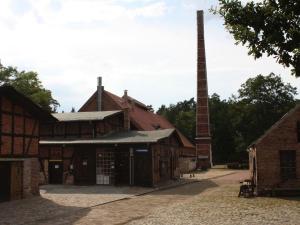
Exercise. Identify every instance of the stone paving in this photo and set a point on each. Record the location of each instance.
(87, 196)
(60, 200)
(84, 204)
(220, 205)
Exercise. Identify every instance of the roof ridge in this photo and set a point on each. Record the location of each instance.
(275, 125)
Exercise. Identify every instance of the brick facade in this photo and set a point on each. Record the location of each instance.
(203, 139)
(264, 154)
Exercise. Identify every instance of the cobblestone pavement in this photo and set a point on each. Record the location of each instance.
(70, 204)
(220, 205)
(60, 200)
(211, 200)
(87, 196)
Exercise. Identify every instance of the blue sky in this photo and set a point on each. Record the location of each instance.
(145, 46)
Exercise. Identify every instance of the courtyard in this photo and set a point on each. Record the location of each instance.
(207, 198)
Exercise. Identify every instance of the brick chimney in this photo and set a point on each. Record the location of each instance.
(126, 111)
(99, 93)
(203, 138)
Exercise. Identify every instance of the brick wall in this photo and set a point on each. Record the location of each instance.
(203, 140)
(31, 176)
(107, 104)
(280, 138)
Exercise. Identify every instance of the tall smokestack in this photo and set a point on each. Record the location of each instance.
(203, 138)
(99, 93)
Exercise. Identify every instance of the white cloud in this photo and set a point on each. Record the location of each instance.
(133, 48)
(153, 10)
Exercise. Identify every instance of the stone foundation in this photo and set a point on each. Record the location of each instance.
(31, 177)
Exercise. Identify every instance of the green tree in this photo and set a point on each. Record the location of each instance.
(270, 26)
(261, 101)
(238, 121)
(222, 130)
(182, 116)
(29, 84)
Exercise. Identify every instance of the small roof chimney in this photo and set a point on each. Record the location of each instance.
(125, 94)
(99, 93)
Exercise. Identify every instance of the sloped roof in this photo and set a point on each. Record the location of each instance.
(147, 120)
(27, 103)
(140, 115)
(275, 125)
(85, 116)
(119, 138)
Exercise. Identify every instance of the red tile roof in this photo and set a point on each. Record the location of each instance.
(140, 116)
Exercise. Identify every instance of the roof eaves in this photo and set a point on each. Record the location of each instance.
(275, 125)
(24, 100)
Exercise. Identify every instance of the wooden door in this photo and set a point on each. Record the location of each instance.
(55, 172)
(122, 168)
(143, 168)
(5, 181)
(85, 166)
(16, 189)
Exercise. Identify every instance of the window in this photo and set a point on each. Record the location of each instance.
(288, 164)
(298, 131)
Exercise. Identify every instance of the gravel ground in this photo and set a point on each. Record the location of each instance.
(209, 200)
(220, 205)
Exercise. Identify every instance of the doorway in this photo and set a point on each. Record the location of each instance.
(122, 168)
(55, 172)
(142, 167)
(16, 189)
(85, 166)
(5, 175)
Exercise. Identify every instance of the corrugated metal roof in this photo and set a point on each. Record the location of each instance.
(84, 116)
(118, 138)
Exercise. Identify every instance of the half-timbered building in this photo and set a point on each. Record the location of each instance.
(142, 118)
(19, 135)
(98, 148)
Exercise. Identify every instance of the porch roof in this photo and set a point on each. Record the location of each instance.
(118, 138)
(84, 116)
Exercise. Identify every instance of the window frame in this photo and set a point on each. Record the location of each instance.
(288, 164)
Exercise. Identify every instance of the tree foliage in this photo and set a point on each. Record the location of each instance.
(270, 26)
(240, 120)
(29, 84)
(261, 101)
(182, 115)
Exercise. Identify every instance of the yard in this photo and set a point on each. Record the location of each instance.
(209, 198)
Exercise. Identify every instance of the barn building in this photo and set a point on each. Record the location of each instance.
(274, 159)
(98, 148)
(19, 134)
(141, 118)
